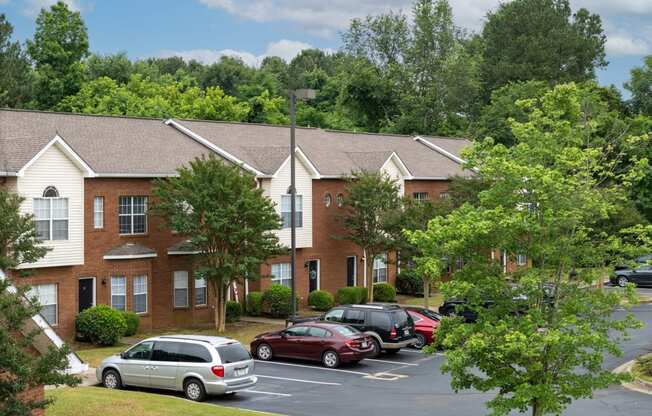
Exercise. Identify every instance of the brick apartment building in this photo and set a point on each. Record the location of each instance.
(88, 182)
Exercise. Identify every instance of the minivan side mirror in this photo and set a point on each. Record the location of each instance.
(123, 355)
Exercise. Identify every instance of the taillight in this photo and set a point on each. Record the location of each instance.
(393, 333)
(218, 370)
(354, 343)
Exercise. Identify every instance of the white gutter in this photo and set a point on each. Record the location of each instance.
(439, 149)
(130, 256)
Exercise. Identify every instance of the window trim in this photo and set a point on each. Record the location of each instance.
(96, 211)
(51, 218)
(374, 270)
(518, 260)
(56, 302)
(174, 289)
(298, 212)
(124, 279)
(420, 196)
(134, 293)
(131, 214)
(205, 288)
(279, 280)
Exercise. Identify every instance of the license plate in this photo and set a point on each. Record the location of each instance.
(364, 344)
(406, 332)
(239, 372)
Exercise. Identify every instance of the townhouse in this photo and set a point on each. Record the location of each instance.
(88, 182)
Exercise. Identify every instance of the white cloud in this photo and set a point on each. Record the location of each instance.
(619, 44)
(33, 7)
(284, 48)
(615, 7)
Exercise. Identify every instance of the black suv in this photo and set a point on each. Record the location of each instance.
(390, 326)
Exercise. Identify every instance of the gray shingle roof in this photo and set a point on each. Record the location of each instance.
(132, 250)
(140, 146)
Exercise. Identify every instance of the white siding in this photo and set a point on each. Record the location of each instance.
(391, 168)
(54, 168)
(275, 187)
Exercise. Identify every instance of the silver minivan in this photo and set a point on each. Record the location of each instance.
(196, 365)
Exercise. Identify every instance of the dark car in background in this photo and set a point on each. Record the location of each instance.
(330, 343)
(389, 326)
(640, 275)
(426, 323)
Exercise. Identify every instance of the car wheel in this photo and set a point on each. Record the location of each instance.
(421, 342)
(330, 359)
(194, 390)
(111, 379)
(622, 281)
(264, 352)
(375, 352)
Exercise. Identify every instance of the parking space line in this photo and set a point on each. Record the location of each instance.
(271, 393)
(391, 362)
(360, 373)
(300, 380)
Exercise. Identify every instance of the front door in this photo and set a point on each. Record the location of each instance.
(86, 293)
(313, 274)
(350, 271)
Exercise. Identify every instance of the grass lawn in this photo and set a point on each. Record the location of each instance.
(99, 401)
(242, 331)
(434, 302)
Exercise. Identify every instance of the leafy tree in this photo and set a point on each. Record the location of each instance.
(20, 368)
(117, 66)
(371, 196)
(541, 343)
(267, 109)
(228, 73)
(640, 85)
(226, 218)
(59, 45)
(16, 80)
(540, 40)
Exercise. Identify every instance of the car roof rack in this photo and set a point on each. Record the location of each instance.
(182, 338)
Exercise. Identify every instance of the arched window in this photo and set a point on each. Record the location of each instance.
(50, 192)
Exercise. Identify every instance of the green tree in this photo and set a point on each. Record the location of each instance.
(370, 198)
(16, 80)
(640, 85)
(227, 220)
(541, 344)
(59, 45)
(20, 369)
(228, 74)
(116, 66)
(540, 40)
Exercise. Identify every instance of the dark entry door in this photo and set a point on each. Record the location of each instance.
(350, 271)
(313, 274)
(86, 293)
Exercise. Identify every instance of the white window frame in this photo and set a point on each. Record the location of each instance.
(444, 195)
(140, 293)
(287, 210)
(113, 291)
(34, 292)
(521, 259)
(182, 274)
(420, 196)
(98, 212)
(131, 214)
(282, 275)
(380, 260)
(200, 284)
(51, 219)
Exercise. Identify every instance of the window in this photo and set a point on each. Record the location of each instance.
(286, 210)
(119, 293)
(444, 195)
(420, 196)
(140, 294)
(401, 318)
(166, 351)
(51, 215)
(328, 200)
(193, 353)
(335, 315)
(296, 331)
(98, 212)
(354, 316)
(281, 274)
(141, 351)
(132, 214)
(47, 298)
(347, 331)
(318, 332)
(521, 259)
(200, 292)
(380, 269)
(233, 353)
(381, 320)
(180, 289)
(340, 200)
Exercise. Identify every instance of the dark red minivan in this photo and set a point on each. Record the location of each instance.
(332, 344)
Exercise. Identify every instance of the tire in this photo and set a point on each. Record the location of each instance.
(330, 359)
(622, 281)
(264, 352)
(421, 342)
(376, 351)
(392, 351)
(111, 379)
(194, 390)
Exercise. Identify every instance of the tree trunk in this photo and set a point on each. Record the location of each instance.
(222, 305)
(370, 278)
(426, 293)
(536, 408)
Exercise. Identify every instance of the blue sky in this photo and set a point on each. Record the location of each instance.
(252, 29)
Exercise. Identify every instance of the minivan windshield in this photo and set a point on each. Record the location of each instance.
(233, 353)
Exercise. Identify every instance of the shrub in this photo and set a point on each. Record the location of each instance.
(408, 282)
(133, 322)
(101, 325)
(347, 295)
(255, 303)
(384, 292)
(233, 311)
(362, 295)
(277, 301)
(321, 300)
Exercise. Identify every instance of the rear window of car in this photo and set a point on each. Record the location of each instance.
(401, 318)
(381, 320)
(347, 331)
(233, 353)
(430, 314)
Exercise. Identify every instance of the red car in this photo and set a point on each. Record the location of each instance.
(332, 344)
(426, 323)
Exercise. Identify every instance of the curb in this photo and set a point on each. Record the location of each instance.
(637, 385)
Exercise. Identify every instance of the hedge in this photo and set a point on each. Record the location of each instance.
(101, 325)
(384, 292)
(233, 311)
(321, 300)
(351, 295)
(277, 301)
(133, 322)
(408, 282)
(255, 303)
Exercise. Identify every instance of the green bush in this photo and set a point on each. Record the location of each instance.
(255, 303)
(233, 311)
(408, 282)
(362, 295)
(101, 325)
(384, 292)
(321, 300)
(133, 322)
(347, 295)
(277, 301)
